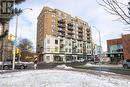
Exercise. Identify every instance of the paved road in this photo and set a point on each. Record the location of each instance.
(118, 70)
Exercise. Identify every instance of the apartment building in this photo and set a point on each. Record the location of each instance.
(119, 49)
(61, 37)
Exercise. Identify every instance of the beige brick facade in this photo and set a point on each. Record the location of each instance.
(73, 35)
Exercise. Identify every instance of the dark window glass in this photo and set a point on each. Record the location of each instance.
(128, 60)
(56, 41)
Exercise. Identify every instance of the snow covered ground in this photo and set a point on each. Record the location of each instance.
(59, 78)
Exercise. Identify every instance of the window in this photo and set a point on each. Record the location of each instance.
(48, 41)
(53, 29)
(48, 49)
(56, 41)
(78, 50)
(80, 45)
(47, 58)
(69, 43)
(66, 43)
(60, 28)
(66, 50)
(56, 49)
(69, 50)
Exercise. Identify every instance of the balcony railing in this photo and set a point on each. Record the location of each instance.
(61, 25)
(61, 21)
(80, 27)
(88, 41)
(70, 24)
(80, 31)
(88, 30)
(80, 38)
(69, 36)
(79, 34)
(70, 32)
(62, 34)
(61, 30)
(70, 28)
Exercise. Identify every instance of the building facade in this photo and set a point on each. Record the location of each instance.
(119, 49)
(61, 37)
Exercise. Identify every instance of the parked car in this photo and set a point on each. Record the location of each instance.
(18, 65)
(126, 63)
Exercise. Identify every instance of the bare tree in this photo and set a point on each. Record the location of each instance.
(25, 45)
(116, 8)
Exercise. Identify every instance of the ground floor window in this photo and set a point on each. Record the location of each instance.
(47, 58)
(58, 58)
(69, 58)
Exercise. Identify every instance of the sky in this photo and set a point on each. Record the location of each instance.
(88, 10)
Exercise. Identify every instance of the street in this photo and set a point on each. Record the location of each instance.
(118, 69)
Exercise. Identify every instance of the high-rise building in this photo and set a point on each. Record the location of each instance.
(61, 37)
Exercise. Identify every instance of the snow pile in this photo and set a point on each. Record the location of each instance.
(59, 78)
(103, 65)
(63, 66)
(27, 62)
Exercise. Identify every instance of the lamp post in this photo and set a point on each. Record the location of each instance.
(100, 45)
(15, 39)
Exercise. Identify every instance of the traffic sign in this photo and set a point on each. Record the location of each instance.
(6, 8)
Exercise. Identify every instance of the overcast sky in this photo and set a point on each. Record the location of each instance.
(88, 10)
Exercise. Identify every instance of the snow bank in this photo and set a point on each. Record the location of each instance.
(102, 65)
(59, 78)
(63, 67)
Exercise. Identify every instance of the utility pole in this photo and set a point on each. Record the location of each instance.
(15, 40)
(14, 43)
(100, 53)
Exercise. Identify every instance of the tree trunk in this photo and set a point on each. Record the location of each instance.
(3, 45)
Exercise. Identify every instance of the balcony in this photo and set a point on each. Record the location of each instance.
(80, 34)
(61, 25)
(80, 27)
(70, 24)
(61, 30)
(80, 39)
(69, 36)
(61, 21)
(89, 41)
(62, 34)
(70, 28)
(70, 32)
(80, 31)
(88, 38)
(88, 30)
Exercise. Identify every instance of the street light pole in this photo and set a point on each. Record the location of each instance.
(15, 40)
(100, 46)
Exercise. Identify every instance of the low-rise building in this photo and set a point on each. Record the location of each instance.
(119, 49)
